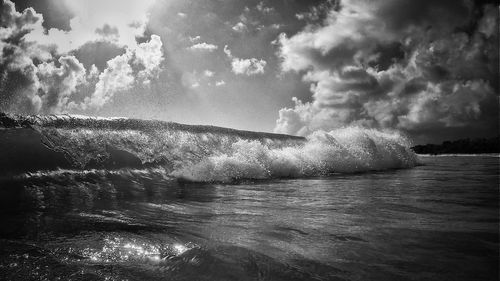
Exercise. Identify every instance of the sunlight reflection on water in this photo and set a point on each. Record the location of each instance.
(119, 249)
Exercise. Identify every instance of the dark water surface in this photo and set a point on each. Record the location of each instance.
(439, 221)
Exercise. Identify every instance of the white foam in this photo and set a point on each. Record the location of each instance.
(346, 150)
(213, 154)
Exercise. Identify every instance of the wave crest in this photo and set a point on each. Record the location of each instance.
(194, 153)
(346, 150)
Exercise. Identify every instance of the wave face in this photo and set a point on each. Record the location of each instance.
(193, 153)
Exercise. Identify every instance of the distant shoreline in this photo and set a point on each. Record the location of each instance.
(461, 147)
(461, 155)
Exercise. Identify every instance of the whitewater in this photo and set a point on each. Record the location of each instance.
(193, 152)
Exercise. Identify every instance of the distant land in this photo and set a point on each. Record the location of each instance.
(461, 146)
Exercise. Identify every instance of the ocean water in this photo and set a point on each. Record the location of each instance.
(89, 199)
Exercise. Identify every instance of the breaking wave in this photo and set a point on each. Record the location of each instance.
(31, 144)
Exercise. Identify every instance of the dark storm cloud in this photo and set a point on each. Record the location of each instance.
(396, 64)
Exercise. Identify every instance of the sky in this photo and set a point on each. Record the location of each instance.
(427, 68)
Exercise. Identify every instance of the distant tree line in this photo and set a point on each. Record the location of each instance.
(462, 146)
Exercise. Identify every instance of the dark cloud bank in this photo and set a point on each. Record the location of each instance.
(424, 67)
(428, 68)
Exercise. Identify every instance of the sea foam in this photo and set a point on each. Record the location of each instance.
(346, 150)
(198, 153)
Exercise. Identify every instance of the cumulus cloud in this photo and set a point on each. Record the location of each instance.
(134, 67)
(208, 73)
(195, 38)
(276, 26)
(39, 74)
(395, 64)
(57, 84)
(318, 12)
(149, 56)
(88, 22)
(220, 83)
(261, 7)
(20, 82)
(204, 47)
(255, 19)
(240, 27)
(248, 67)
(116, 77)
